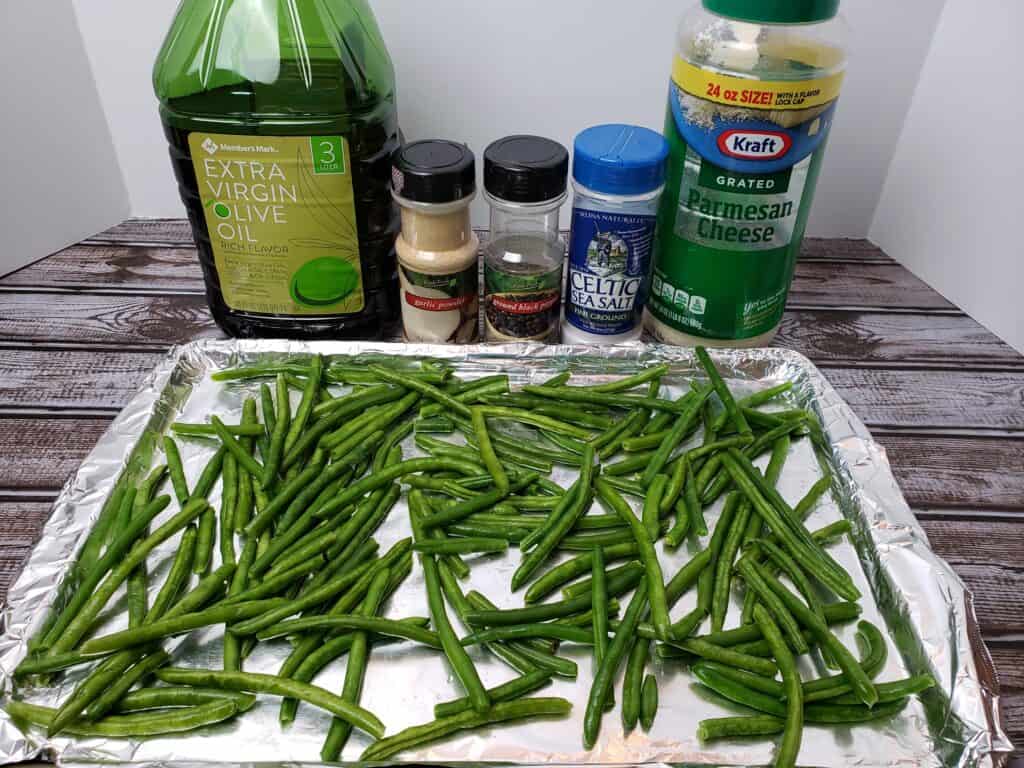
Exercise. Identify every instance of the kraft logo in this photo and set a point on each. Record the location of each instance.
(754, 145)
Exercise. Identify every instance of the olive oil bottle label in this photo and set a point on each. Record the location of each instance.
(282, 221)
(744, 161)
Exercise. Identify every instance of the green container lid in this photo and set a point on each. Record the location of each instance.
(774, 11)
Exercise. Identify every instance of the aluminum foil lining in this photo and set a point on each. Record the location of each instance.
(908, 590)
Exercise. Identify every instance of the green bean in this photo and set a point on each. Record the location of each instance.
(463, 605)
(686, 577)
(735, 415)
(631, 382)
(760, 683)
(607, 444)
(563, 523)
(874, 656)
(789, 747)
(235, 448)
(894, 691)
(309, 397)
(178, 575)
(753, 576)
(276, 686)
(537, 420)
(582, 542)
(632, 683)
(424, 388)
(142, 699)
(618, 581)
(267, 407)
(686, 420)
(478, 545)
(789, 566)
(728, 656)
(549, 631)
(97, 594)
(182, 429)
(453, 650)
(648, 702)
(629, 466)
(178, 625)
(282, 424)
(806, 504)
(510, 691)
(229, 500)
(565, 504)
(753, 401)
(861, 683)
(717, 728)
(204, 542)
(652, 506)
(579, 395)
(131, 726)
(355, 669)
(435, 425)
(648, 557)
(723, 566)
(470, 392)
(574, 567)
(834, 613)
(119, 687)
(599, 603)
(394, 472)
(793, 536)
(528, 615)
(608, 669)
(333, 623)
(674, 487)
(438, 729)
(176, 469)
(694, 513)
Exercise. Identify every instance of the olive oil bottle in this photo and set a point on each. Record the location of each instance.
(281, 120)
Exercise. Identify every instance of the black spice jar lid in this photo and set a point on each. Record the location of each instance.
(526, 169)
(434, 171)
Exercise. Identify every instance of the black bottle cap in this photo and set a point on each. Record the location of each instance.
(435, 171)
(526, 169)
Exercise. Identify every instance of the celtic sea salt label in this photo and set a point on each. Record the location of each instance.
(609, 259)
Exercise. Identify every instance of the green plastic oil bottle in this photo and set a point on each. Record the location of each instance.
(281, 120)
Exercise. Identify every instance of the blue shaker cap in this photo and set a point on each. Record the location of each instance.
(620, 159)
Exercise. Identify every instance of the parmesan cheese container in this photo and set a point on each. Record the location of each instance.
(752, 99)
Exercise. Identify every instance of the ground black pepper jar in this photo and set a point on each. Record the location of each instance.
(525, 185)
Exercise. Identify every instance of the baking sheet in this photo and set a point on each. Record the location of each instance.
(910, 592)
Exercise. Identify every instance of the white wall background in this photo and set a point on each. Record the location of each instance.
(62, 180)
(476, 71)
(952, 207)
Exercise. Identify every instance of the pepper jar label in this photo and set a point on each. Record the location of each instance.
(609, 261)
(522, 306)
(440, 308)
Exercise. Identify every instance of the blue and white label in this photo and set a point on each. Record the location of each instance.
(609, 267)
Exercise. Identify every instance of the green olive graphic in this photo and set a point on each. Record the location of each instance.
(222, 210)
(323, 281)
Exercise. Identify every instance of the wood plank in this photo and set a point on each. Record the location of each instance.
(1012, 705)
(39, 454)
(954, 399)
(152, 269)
(870, 338)
(21, 523)
(1009, 661)
(153, 231)
(853, 284)
(115, 267)
(178, 232)
(941, 471)
(32, 378)
(158, 321)
(989, 557)
(826, 336)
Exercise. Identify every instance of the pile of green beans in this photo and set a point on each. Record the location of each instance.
(313, 465)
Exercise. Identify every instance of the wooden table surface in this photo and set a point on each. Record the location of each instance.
(79, 330)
